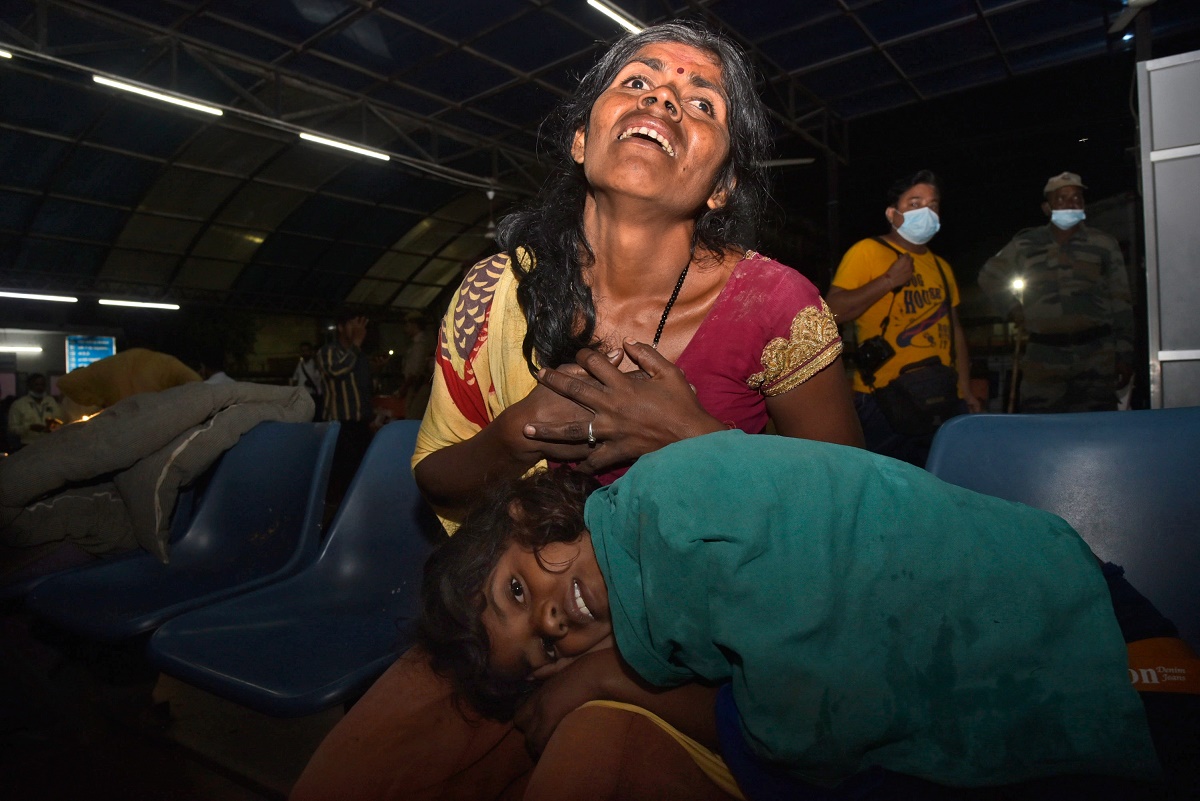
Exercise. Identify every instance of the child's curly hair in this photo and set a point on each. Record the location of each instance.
(533, 511)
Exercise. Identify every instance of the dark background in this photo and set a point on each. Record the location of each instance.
(992, 148)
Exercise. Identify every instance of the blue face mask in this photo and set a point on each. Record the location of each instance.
(919, 225)
(1067, 218)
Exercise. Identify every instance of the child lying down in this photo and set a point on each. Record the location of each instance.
(856, 613)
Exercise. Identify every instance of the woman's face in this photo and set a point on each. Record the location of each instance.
(541, 610)
(660, 131)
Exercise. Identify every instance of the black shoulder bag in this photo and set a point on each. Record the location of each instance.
(925, 394)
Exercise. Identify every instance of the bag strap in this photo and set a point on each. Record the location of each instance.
(945, 293)
(949, 307)
(887, 318)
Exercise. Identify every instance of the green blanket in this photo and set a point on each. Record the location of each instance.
(868, 613)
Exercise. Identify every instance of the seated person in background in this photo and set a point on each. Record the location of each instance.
(34, 414)
(853, 622)
(212, 368)
(102, 383)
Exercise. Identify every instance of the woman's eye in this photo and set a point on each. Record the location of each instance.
(704, 106)
(518, 592)
(636, 82)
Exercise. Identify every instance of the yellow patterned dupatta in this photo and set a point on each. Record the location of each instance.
(767, 332)
(480, 369)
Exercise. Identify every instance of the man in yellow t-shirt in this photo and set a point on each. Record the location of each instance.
(894, 287)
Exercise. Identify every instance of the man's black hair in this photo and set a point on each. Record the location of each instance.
(902, 185)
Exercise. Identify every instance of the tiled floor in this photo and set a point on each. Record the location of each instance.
(81, 721)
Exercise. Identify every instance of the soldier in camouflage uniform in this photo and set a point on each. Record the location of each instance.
(1075, 306)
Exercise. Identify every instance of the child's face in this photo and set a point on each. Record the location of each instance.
(539, 612)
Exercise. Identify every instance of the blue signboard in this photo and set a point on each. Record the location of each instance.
(82, 351)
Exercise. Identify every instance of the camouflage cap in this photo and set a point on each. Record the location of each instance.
(1061, 180)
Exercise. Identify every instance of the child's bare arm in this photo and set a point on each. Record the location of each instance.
(603, 675)
(558, 665)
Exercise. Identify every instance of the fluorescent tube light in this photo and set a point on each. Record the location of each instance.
(616, 15)
(138, 304)
(362, 151)
(20, 349)
(137, 90)
(29, 296)
(5, 54)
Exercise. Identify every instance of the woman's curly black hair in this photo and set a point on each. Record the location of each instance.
(533, 512)
(554, 297)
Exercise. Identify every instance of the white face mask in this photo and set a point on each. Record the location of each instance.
(919, 225)
(1067, 218)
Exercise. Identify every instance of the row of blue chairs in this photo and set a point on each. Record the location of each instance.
(254, 606)
(250, 610)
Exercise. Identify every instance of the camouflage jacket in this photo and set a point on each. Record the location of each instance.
(1069, 288)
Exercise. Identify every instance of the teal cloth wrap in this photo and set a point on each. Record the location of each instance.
(868, 613)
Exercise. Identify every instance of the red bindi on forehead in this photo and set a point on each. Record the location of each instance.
(679, 70)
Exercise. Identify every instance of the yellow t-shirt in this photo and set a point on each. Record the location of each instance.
(919, 324)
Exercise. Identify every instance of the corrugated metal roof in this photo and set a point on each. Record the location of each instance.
(102, 191)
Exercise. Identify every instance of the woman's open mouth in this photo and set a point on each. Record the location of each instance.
(642, 132)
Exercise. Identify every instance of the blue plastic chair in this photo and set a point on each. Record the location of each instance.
(257, 522)
(321, 637)
(1127, 482)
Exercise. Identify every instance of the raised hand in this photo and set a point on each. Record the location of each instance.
(452, 476)
(900, 271)
(544, 404)
(634, 413)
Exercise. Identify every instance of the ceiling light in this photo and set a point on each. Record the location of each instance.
(137, 90)
(616, 15)
(1127, 37)
(375, 154)
(20, 349)
(5, 54)
(787, 162)
(138, 304)
(28, 296)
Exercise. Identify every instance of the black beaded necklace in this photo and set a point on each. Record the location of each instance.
(670, 303)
